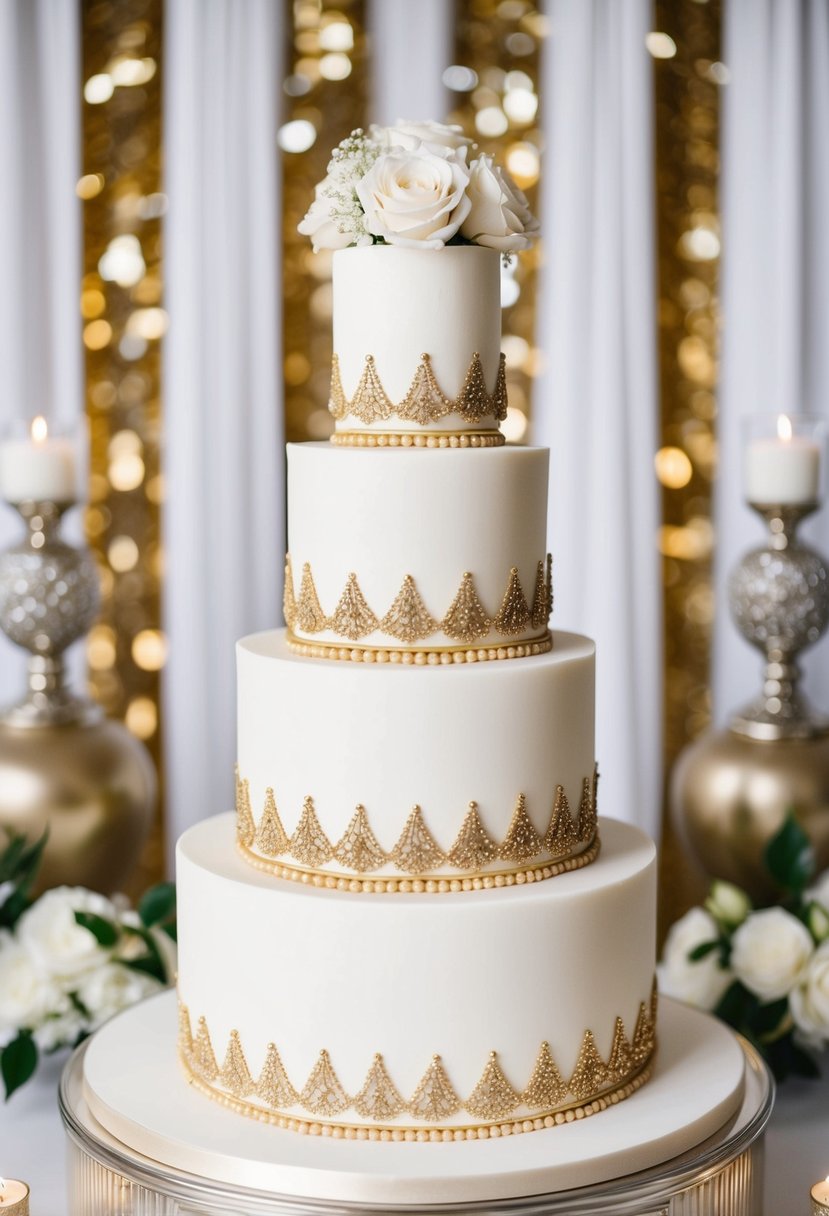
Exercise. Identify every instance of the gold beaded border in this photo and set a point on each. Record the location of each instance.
(418, 439)
(421, 1135)
(421, 884)
(432, 656)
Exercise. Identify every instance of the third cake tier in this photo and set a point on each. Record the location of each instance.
(437, 556)
(397, 778)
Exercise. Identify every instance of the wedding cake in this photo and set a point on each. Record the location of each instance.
(414, 927)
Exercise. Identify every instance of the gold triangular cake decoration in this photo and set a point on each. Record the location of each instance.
(359, 849)
(620, 1061)
(643, 1037)
(561, 834)
(353, 618)
(549, 585)
(473, 402)
(514, 614)
(416, 851)
(245, 826)
(337, 400)
(499, 396)
(473, 847)
(273, 1086)
(434, 1099)
(591, 1074)
(378, 1099)
(288, 596)
(424, 402)
(271, 838)
(309, 843)
(370, 401)
(235, 1074)
(546, 1087)
(323, 1094)
(310, 617)
(538, 615)
(522, 841)
(596, 794)
(586, 827)
(654, 1002)
(466, 621)
(408, 619)
(185, 1032)
(203, 1058)
(493, 1097)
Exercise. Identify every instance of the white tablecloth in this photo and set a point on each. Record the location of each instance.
(32, 1144)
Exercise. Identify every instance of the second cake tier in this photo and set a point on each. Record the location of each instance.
(397, 552)
(404, 778)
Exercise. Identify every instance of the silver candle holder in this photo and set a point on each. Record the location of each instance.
(779, 599)
(49, 598)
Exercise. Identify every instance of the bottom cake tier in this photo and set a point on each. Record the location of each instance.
(395, 1017)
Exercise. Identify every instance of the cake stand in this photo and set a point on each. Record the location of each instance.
(141, 1143)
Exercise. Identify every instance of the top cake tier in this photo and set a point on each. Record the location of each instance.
(417, 347)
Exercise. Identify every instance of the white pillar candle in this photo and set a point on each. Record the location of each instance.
(14, 1197)
(820, 1198)
(784, 470)
(38, 469)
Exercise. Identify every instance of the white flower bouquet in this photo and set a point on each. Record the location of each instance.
(71, 959)
(419, 185)
(764, 971)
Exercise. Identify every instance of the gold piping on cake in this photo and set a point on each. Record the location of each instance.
(408, 619)
(425, 402)
(496, 1106)
(416, 855)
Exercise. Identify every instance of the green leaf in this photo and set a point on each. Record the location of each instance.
(789, 856)
(158, 904)
(769, 1018)
(13, 909)
(700, 951)
(737, 1006)
(104, 932)
(147, 966)
(18, 1061)
(786, 1059)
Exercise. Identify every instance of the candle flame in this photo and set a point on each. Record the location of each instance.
(784, 428)
(40, 430)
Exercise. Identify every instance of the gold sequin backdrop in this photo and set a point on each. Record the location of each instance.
(123, 320)
(493, 91)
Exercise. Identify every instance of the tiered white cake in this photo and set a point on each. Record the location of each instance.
(410, 931)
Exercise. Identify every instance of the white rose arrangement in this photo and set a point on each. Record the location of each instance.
(71, 959)
(764, 971)
(418, 185)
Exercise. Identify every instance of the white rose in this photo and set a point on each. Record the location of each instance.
(809, 999)
(438, 137)
(700, 983)
(320, 226)
(414, 199)
(62, 1031)
(769, 951)
(499, 215)
(59, 946)
(112, 988)
(26, 995)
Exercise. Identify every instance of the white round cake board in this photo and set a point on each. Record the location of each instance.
(134, 1088)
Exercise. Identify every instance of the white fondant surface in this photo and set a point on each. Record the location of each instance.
(384, 514)
(132, 1088)
(410, 976)
(393, 737)
(399, 304)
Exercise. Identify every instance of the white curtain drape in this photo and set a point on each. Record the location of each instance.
(40, 253)
(224, 461)
(775, 285)
(596, 403)
(410, 43)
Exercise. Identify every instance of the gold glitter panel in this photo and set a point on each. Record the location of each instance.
(408, 620)
(124, 320)
(566, 844)
(546, 1100)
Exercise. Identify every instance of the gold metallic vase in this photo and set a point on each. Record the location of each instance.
(63, 766)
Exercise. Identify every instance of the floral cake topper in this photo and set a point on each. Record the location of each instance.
(419, 185)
